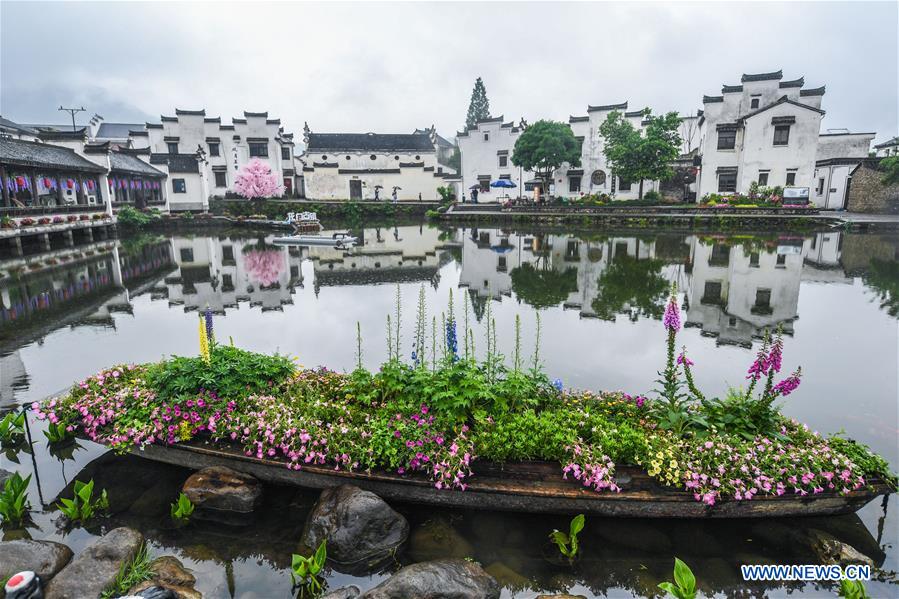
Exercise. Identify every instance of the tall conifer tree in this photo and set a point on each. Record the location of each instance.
(479, 107)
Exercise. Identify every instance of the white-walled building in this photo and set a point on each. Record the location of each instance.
(887, 148)
(486, 150)
(202, 156)
(764, 130)
(365, 166)
(838, 155)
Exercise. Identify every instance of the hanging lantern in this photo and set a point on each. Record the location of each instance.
(70, 184)
(47, 182)
(20, 181)
(90, 184)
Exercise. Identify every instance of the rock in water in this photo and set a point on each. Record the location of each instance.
(223, 489)
(359, 527)
(45, 558)
(95, 568)
(438, 579)
(169, 573)
(350, 592)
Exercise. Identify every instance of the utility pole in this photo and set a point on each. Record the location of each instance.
(72, 111)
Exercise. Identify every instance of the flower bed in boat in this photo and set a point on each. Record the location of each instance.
(438, 416)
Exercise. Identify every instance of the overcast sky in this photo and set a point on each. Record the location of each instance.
(391, 67)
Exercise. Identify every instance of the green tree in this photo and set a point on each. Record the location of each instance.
(890, 166)
(633, 287)
(635, 156)
(543, 287)
(544, 147)
(479, 106)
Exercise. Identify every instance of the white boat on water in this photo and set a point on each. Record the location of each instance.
(307, 231)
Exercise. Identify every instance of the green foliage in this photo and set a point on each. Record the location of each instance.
(446, 194)
(890, 167)
(568, 543)
(861, 455)
(634, 156)
(12, 428)
(83, 506)
(57, 433)
(684, 585)
(740, 416)
(631, 286)
(478, 106)
(181, 509)
(132, 218)
(455, 160)
(14, 502)
(543, 287)
(134, 571)
(652, 196)
(853, 589)
(305, 570)
(882, 276)
(544, 147)
(231, 373)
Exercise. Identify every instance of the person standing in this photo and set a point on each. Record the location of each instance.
(377, 194)
(474, 195)
(394, 195)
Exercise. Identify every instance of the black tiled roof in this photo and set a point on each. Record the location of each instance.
(179, 112)
(794, 83)
(132, 164)
(710, 99)
(776, 75)
(8, 125)
(818, 91)
(888, 143)
(578, 119)
(216, 119)
(177, 163)
(622, 106)
(255, 114)
(28, 153)
(393, 142)
(782, 100)
(634, 113)
(730, 89)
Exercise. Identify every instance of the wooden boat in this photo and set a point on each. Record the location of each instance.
(521, 487)
(335, 240)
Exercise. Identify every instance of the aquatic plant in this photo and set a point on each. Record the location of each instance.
(83, 506)
(14, 504)
(568, 542)
(181, 509)
(305, 570)
(853, 589)
(12, 428)
(58, 433)
(132, 572)
(684, 585)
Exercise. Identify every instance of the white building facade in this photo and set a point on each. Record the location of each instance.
(838, 155)
(764, 130)
(486, 150)
(370, 166)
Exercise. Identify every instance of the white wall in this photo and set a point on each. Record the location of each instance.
(480, 157)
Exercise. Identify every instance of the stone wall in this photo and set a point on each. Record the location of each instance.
(868, 194)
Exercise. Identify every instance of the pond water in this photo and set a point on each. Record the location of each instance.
(600, 295)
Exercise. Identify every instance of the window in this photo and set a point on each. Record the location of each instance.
(214, 149)
(781, 259)
(753, 103)
(187, 254)
(418, 158)
(259, 150)
(220, 179)
(762, 302)
(228, 253)
(711, 293)
(485, 185)
(727, 139)
(763, 178)
(598, 178)
(325, 157)
(727, 182)
(179, 186)
(791, 177)
(754, 259)
(781, 135)
(285, 153)
(373, 157)
(820, 184)
(574, 184)
(623, 185)
(501, 264)
(486, 136)
(173, 147)
(503, 160)
(720, 255)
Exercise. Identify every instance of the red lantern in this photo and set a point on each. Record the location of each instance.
(47, 182)
(20, 181)
(70, 184)
(90, 184)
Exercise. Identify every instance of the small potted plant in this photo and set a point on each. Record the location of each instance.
(26, 222)
(58, 220)
(84, 217)
(44, 220)
(7, 223)
(71, 218)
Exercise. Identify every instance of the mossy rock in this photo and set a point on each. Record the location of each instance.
(437, 539)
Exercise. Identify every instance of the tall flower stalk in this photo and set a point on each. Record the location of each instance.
(204, 341)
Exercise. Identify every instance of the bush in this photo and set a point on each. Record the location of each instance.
(131, 218)
(652, 196)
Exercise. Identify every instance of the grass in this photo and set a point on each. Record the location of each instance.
(132, 572)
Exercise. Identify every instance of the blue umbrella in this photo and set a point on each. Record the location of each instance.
(502, 183)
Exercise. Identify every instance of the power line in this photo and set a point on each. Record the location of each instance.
(72, 111)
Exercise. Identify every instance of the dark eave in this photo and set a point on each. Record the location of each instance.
(247, 115)
(731, 89)
(782, 100)
(578, 119)
(634, 113)
(622, 106)
(216, 119)
(794, 83)
(238, 121)
(179, 112)
(168, 119)
(273, 121)
(711, 99)
(818, 91)
(775, 76)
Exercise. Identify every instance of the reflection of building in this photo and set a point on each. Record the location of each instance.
(13, 377)
(383, 255)
(737, 292)
(220, 273)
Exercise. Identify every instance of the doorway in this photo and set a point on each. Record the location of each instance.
(355, 189)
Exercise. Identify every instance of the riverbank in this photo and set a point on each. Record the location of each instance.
(683, 218)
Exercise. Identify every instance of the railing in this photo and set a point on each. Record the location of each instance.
(40, 210)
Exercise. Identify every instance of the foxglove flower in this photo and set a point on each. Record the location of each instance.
(672, 315)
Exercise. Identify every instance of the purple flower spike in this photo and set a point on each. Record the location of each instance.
(672, 315)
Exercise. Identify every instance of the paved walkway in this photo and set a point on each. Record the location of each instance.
(858, 217)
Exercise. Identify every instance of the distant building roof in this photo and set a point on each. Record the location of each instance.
(888, 143)
(622, 106)
(117, 130)
(775, 76)
(177, 163)
(393, 142)
(782, 100)
(9, 126)
(132, 164)
(18, 152)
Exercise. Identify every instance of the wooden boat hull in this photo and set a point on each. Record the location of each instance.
(529, 487)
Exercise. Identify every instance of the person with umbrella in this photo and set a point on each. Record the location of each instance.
(393, 195)
(474, 194)
(504, 184)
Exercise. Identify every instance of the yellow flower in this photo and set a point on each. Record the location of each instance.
(204, 341)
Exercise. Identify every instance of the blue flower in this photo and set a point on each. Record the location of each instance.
(558, 385)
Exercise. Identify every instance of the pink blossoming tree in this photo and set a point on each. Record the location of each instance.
(256, 181)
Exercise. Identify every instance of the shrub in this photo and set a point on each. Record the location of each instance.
(14, 498)
(82, 506)
(652, 196)
(131, 218)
